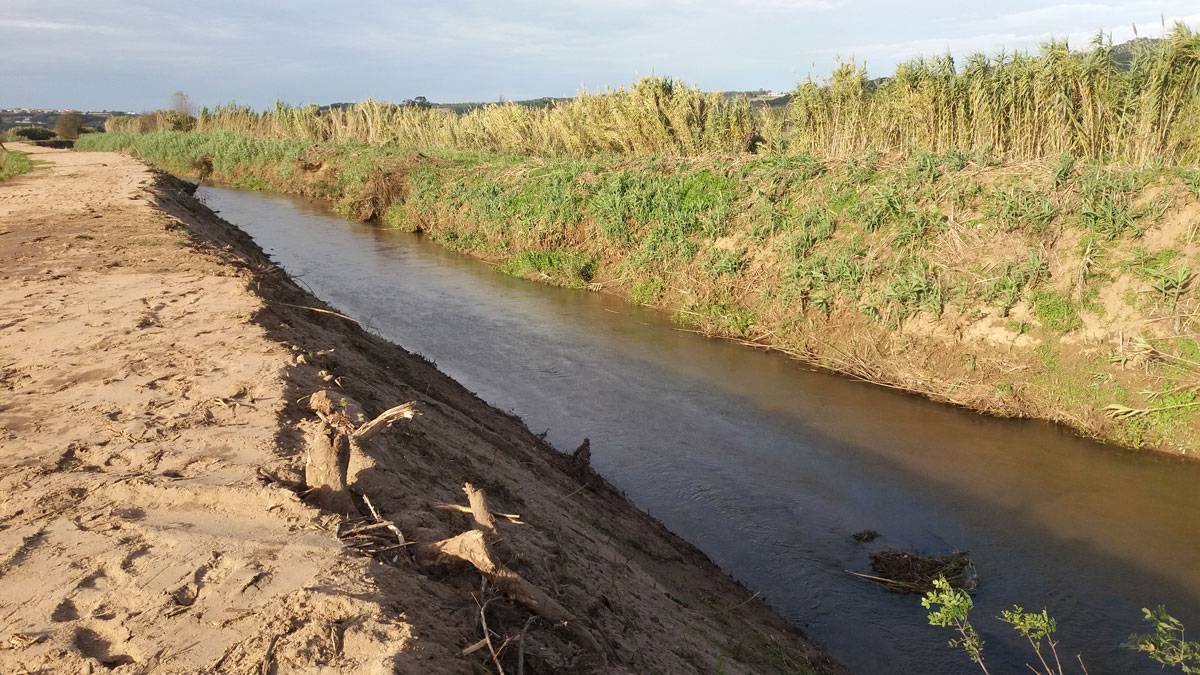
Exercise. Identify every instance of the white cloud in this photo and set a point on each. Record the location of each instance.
(1057, 22)
(791, 5)
(55, 26)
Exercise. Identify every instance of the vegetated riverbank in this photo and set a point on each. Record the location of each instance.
(1058, 289)
(161, 447)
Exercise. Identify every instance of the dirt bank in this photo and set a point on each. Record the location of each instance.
(155, 425)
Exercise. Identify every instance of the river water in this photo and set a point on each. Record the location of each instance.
(769, 467)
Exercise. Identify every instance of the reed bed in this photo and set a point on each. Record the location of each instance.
(1102, 103)
(1015, 106)
(656, 115)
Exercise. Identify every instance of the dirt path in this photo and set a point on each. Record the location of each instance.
(155, 371)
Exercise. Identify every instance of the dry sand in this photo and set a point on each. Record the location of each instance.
(154, 380)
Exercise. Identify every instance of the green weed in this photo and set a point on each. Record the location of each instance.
(1191, 180)
(1166, 646)
(955, 159)
(1005, 289)
(1063, 169)
(1170, 280)
(722, 263)
(915, 285)
(572, 269)
(862, 170)
(924, 167)
(810, 228)
(1022, 208)
(879, 206)
(718, 318)
(950, 607)
(14, 164)
(647, 292)
(1055, 311)
(466, 242)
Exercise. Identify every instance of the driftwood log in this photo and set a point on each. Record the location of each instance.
(474, 548)
(325, 464)
(343, 430)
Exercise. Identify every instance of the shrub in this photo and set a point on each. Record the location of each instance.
(68, 124)
(1166, 645)
(31, 133)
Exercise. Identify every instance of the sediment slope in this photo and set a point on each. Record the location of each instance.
(155, 423)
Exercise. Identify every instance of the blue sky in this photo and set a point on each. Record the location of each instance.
(132, 54)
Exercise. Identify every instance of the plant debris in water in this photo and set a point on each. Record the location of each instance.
(865, 536)
(905, 572)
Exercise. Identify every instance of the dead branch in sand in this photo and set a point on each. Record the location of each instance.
(326, 462)
(321, 311)
(473, 547)
(330, 444)
(364, 433)
(479, 508)
(514, 518)
(521, 645)
(340, 432)
(373, 537)
(487, 636)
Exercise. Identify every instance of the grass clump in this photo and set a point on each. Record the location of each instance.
(396, 217)
(722, 263)
(1191, 181)
(14, 164)
(1055, 311)
(810, 228)
(1169, 277)
(879, 206)
(915, 285)
(820, 279)
(718, 318)
(1023, 208)
(668, 207)
(1063, 169)
(1107, 207)
(572, 269)
(1005, 288)
(647, 292)
(463, 242)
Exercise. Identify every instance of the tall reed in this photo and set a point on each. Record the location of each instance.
(1012, 106)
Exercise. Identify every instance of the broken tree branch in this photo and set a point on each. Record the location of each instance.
(472, 547)
(364, 433)
(479, 508)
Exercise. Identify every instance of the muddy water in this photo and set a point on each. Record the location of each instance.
(768, 467)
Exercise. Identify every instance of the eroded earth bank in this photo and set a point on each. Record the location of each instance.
(159, 446)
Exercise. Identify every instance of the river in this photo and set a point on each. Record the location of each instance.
(769, 467)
